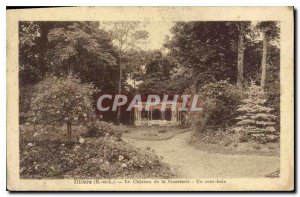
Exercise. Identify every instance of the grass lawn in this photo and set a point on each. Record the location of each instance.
(150, 132)
(229, 143)
(247, 148)
(57, 133)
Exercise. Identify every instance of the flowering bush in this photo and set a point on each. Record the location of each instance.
(95, 158)
(61, 100)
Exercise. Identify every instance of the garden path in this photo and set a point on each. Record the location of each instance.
(189, 162)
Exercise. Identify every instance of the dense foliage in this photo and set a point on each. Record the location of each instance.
(157, 74)
(62, 65)
(60, 100)
(196, 54)
(209, 49)
(88, 158)
(103, 129)
(26, 94)
(61, 48)
(219, 102)
(206, 52)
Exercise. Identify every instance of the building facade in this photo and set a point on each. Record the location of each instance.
(169, 116)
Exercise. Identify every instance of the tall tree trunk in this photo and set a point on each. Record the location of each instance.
(264, 62)
(120, 89)
(240, 62)
(42, 45)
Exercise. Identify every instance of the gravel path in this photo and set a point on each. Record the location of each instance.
(192, 163)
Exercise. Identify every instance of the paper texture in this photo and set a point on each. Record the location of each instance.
(159, 21)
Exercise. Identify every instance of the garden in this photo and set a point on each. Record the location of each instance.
(98, 153)
(64, 67)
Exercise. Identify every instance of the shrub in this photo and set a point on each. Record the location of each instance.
(95, 158)
(102, 129)
(61, 100)
(98, 129)
(25, 95)
(219, 102)
(256, 119)
(132, 160)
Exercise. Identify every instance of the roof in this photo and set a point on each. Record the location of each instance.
(168, 105)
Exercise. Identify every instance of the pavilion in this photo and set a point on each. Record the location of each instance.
(156, 115)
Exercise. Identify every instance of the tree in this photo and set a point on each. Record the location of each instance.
(81, 48)
(62, 100)
(135, 61)
(210, 50)
(256, 119)
(269, 32)
(29, 71)
(126, 36)
(61, 48)
(240, 60)
(33, 46)
(263, 61)
(157, 74)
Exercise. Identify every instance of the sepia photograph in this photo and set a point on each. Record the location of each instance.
(137, 103)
